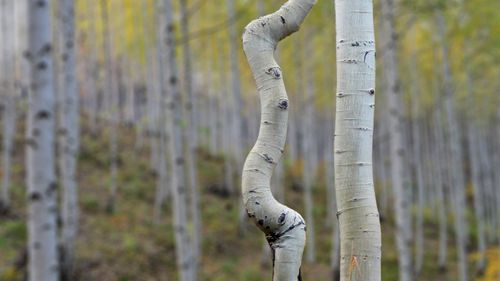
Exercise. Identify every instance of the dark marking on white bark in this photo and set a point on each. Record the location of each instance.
(281, 219)
(268, 159)
(35, 196)
(283, 104)
(275, 72)
(282, 20)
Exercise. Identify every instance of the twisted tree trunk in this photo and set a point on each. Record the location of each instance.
(284, 227)
(360, 237)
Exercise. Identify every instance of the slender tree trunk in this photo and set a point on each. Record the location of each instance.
(112, 97)
(332, 218)
(417, 159)
(8, 103)
(309, 159)
(360, 236)
(42, 187)
(69, 136)
(456, 157)
(440, 173)
(284, 227)
(191, 138)
(174, 113)
(397, 144)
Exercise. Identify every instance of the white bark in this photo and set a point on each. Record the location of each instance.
(360, 236)
(417, 159)
(7, 96)
(456, 158)
(284, 227)
(183, 251)
(332, 211)
(111, 94)
(440, 157)
(309, 158)
(191, 138)
(69, 134)
(42, 187)
(397, 144)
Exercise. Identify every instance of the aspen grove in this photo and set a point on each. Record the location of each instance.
(283, 140)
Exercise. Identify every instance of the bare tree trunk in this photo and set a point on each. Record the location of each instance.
(69, 136)
(309, 158)
(456, 157)
(112, 95)
(284, 227)
(332, 211)
(417, 159)
(191, 138)
(42, 187)
(185, 261)
(360, 236)
(8, 104)
(397, 144)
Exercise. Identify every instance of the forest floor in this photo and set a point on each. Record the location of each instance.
(128, 246)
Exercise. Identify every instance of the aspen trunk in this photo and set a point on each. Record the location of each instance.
(284, 227)
(417, 159)
(309, 159)
(360, 236)
(111, 95)
(42, 187)
(191, 138)
(397, 144)
(179, 191)
(7, 94)
(69, 135)
(456, 156)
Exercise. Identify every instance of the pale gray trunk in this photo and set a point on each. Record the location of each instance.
(360, 236)
(184, 259)
(237, 106)
(191, 138)
(69, 135)
(111, 94)
(309, 158)
(284, 227)
(397, 144)
(440, 171)
(332, 211)
(161, 137)
(417, 159)
(456, 158)
(8, 99)
(41, 181)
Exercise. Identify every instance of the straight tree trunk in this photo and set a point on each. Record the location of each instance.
(397, 143)
(360, 236)
(309, 159)
(7, 95)
(42, 187)
(191, 138)
(112, 96)
(417, 159)
(440, 172)
(69, 136)
(183, 250)
(456, 155)
(284, 227)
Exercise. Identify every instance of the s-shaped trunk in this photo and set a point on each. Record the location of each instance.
(284, 228)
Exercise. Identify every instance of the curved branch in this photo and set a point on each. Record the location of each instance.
(284, 227)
